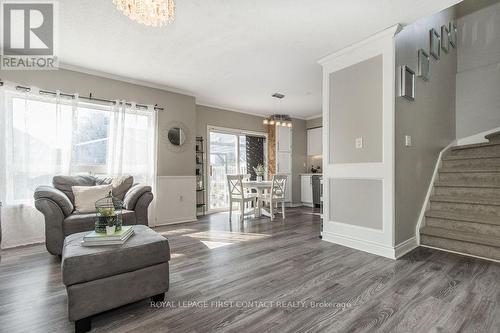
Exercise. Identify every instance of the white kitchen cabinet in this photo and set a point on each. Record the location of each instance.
(283, 162)
(284, 157)
(283, 138)
(306, 192)
(315, 141)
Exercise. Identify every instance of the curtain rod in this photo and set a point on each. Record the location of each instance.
(90, 98)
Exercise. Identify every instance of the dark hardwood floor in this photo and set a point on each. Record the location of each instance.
(297, 282)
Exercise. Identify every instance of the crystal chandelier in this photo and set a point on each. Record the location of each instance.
(154, 13)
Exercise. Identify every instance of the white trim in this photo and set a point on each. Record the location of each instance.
(177, 221)
(255, 114)
(184, 213)
(389, 32)
(377, 241)
(476, 138)
(359, 244)
(372, 247)
(31, 243)
(125, 79)
(316, 116)
(178, 177)
(404, 247)
(460, 253)
(425, 205)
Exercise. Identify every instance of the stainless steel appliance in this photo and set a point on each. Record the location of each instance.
(316, 189)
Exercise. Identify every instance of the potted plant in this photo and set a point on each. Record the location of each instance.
(260, 171)
(108, 214)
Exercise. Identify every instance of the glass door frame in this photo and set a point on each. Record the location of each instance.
(238, 133)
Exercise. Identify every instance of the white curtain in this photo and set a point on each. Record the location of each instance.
(132, 145)
(44, 135)
(35, 132)
(132, 141)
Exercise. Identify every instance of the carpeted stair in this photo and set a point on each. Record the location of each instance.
(464, 214)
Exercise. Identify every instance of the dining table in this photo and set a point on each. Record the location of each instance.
(261, 187)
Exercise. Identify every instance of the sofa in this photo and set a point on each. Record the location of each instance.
(57, 202)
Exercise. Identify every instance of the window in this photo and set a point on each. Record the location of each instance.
(91, 138)
(44, 136)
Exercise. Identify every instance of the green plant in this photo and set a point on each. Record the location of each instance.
(259, 170)
(106, 212)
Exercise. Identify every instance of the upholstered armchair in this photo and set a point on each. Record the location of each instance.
(57, 205)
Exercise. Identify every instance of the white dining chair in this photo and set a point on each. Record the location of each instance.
(237, 194)
(276, 195)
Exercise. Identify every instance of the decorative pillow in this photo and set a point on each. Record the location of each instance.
(121, 184)
(86, 196)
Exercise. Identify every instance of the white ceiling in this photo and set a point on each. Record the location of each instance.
(231, 53)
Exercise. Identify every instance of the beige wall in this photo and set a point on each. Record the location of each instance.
(430, 120)
(354, 117)
(224, 118)
(478, 77)
(365, 192)
(178, 107)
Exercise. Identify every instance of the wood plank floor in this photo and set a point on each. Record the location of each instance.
(297, 283)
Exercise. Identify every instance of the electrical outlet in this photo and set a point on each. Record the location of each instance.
(408, 142)
(359, 143)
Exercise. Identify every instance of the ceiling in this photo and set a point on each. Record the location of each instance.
(231, 54)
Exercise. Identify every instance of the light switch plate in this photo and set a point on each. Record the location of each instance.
(359, 143)
(408, 142)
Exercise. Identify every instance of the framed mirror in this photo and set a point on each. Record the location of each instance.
(423, 65)
(445, 38)
(176, 136)
(435, 44)
(453, 34)
(407, 83)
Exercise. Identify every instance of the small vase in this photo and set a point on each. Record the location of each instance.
(110, 230)
(259, 179)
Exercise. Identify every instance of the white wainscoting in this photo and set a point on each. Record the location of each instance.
(175, 199)
(377, 241)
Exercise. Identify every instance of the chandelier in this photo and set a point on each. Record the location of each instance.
(154, 13)
(278, 119)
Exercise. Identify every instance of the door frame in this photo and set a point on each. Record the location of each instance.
(234, 131)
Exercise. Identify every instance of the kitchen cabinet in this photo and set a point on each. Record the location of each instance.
(306, 192)
(284, 157)
(283, 138)
(315, 141)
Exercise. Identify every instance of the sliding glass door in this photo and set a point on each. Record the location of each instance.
(228, 156)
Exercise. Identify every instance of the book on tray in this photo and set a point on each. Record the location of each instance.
(98, 239)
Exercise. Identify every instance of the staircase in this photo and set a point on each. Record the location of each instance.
(464, 214)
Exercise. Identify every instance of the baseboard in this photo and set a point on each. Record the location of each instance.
(177, 221)
(17, 246)
(359, 244)
(306, 204)
(404, 247)
(460, 253)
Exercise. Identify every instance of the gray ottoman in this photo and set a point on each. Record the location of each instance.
(105, 277)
